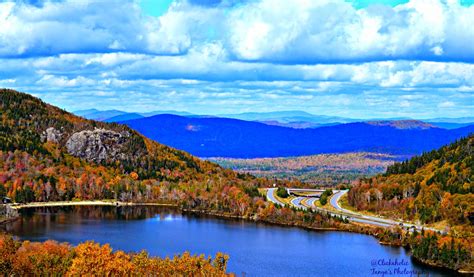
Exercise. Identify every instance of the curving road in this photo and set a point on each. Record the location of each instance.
(371, 219)
(309, 202)
(297, 202)
(271, 196)
(335, 201)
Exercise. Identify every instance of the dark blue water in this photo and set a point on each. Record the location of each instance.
(254, 249)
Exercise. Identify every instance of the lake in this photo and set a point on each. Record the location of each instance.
(254, 249)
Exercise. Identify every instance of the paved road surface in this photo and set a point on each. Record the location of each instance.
(271, 197)
(297, 202)
(335, 201)
(310, 202)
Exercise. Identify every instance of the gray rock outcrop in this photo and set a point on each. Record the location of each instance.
(51, 135)
(98, 145)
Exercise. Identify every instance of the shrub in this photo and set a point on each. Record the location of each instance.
(282, 192)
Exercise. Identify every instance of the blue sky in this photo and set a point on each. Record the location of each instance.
(364, 59)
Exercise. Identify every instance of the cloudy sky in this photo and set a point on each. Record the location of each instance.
(363, 59)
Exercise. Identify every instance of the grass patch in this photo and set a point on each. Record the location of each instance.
(440, 225)
(328, 205)
(344, 203)
(303, 193)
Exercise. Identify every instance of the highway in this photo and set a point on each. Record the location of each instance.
(297, 202)
(271, 196)
(351, 215)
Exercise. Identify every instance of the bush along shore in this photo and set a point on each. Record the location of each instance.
(432, 248)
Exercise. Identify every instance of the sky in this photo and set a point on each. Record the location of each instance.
(359, 59)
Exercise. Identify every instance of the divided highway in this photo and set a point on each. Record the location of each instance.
(309, 202)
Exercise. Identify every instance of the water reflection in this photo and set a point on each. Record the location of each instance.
(256, 249)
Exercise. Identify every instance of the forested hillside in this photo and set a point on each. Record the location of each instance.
(436, 186)
(27, 123)
(316, 170)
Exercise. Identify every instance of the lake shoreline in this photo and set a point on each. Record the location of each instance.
(87, 203)
(189, 211)
(366, 230)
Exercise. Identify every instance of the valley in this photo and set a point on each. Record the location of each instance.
(324, 170)
(58, 159)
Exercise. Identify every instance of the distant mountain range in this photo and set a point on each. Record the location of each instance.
(294, 119)
(291, 119)
(224, 137)
(99, 115)
(117, 115)
(124, 117)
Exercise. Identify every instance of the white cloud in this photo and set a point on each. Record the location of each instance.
(437, 50)
(74, 27)
(446, 104)
(280, 31)
(317, 31)
(61, 81)
(301, 54)
(405, 104)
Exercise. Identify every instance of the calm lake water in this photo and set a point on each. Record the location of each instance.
(254, 249)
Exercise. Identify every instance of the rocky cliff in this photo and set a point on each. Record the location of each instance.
(98, 145)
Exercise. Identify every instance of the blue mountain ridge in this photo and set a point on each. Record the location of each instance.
(124, 117)
(225, 137)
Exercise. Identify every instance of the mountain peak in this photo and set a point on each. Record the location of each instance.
(108, 144)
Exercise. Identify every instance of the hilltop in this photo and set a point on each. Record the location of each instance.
(28, 123)
(292, 119)
(117, 115)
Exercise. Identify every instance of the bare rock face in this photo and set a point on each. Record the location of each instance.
(51, 135)
(97, 145)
